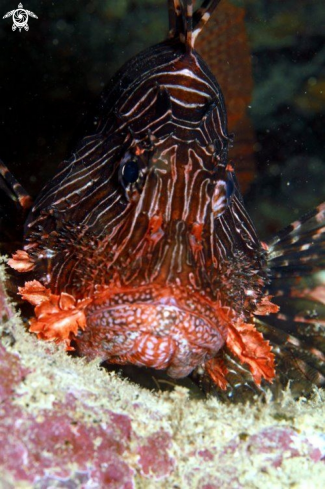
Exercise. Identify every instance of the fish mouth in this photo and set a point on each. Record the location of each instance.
(161, 332)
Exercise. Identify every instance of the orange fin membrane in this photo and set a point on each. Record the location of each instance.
(57, 317)
(21, 261)
(248, 348)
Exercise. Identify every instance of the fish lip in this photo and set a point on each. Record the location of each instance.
(170, 303)
(123, 297)
(175, 298)
(161, 333)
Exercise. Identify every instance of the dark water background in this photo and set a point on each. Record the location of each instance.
(51, 76)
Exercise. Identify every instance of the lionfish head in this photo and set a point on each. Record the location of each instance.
(147, 218)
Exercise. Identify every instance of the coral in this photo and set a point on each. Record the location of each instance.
(69, 424)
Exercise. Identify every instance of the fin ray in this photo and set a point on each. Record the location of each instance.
(297, 331)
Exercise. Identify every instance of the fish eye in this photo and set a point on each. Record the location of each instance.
(130, 172)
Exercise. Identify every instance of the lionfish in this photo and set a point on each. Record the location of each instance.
(140, 250)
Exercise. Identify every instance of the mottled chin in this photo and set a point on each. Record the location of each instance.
(159, 335)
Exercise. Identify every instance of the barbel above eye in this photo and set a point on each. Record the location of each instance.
(222, 195)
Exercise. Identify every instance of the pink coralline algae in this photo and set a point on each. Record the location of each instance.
(53, 445)
(275, 444)
(154, 458)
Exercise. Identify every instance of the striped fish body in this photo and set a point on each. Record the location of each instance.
(140, 248)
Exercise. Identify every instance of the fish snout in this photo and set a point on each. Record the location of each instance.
(159, 334)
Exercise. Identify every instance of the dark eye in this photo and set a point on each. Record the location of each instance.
(130, 172)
